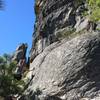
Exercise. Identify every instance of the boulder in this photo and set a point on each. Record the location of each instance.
(67, 70)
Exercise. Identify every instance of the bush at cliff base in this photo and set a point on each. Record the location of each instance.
(8, 84)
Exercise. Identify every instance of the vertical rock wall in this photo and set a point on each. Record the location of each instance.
(68, 69)
(53, 17)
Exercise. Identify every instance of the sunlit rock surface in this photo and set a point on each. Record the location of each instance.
(66, 68)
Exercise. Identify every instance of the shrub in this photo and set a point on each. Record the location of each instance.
(94, 5)
(8, 84)
(65, 32)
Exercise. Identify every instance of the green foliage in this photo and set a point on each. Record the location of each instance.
(95, 9)
(8, 84)
(98, 29)
(65, 33)
(79, 2)
(95, 16)
(94, 3)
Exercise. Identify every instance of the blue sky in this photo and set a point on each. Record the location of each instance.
(16, 24)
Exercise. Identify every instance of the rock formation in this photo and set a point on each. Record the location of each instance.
(64, 68)
(20, 57)
(20, 52)
(58, 16)
(68, 70)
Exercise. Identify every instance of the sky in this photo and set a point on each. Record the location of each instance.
(16, 24)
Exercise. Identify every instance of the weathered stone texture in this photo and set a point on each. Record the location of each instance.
(54, 15)
(68, 70)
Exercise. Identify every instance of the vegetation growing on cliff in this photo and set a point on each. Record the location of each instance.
(94, 6)
(8, 84)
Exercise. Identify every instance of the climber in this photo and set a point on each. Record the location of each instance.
(20, 69)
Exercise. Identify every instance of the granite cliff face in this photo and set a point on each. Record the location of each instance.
(65, 54)
(54, 17)
(67, 70)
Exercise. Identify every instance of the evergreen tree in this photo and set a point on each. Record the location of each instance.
(8, 84)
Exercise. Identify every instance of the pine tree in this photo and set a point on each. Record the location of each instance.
(8, 84)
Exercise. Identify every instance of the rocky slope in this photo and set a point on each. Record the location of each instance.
(67, 70)
(64, 65)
